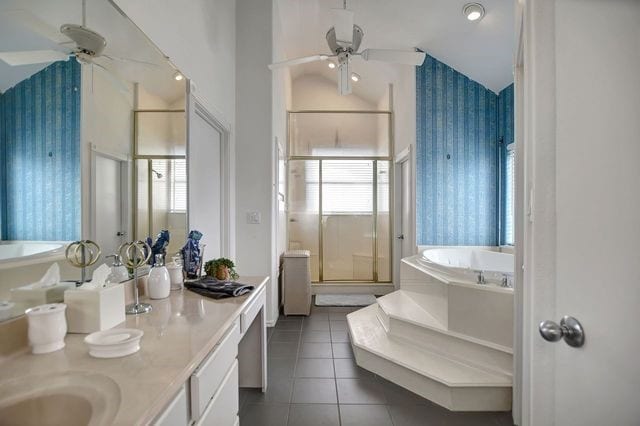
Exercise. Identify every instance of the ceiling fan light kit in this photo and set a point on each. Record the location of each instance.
(344, 39)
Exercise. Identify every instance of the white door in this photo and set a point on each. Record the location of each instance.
(582, 236)
(204, 159)
(109, 229)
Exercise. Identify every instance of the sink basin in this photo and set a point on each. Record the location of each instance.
(74, 398)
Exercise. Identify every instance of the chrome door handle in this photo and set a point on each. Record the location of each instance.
(120, 234)
(400, 237)
(569, 329)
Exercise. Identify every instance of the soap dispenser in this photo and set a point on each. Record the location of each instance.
(119, 272)
(159, 283)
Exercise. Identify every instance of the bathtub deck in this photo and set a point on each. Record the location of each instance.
(447, 382)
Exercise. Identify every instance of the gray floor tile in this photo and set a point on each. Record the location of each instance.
(291, 318)
(314, 367)
(339, 336)
(285, 336)
(473, 418)
(342, 350)
(280, 367)
(340, 316)
(278, 391)
(314, 415)
(316, 350)
(282, 350)
(288, 325)
(365, 415)
(347, 368)
(314, 391)
(360, 391)
(315, 315)
(316, 336)
(316, 325)
(264, 415)
(338, 325)
(397, 395)
(419, 415)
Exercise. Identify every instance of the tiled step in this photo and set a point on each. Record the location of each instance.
(447, 382)
(405, 320)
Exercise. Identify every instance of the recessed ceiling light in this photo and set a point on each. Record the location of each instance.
(354, 76)
(331, 65)
(177, 76)
(473, 11)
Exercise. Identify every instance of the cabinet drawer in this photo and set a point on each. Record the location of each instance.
(176, 413)
(208, 377)
(250, 312)
(223, 407)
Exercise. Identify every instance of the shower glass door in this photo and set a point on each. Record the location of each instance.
(338, 193)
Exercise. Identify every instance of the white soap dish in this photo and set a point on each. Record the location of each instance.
(114, 343)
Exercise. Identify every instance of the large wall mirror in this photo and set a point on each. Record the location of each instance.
(91, 146)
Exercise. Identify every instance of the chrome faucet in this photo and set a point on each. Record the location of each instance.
(480, 279)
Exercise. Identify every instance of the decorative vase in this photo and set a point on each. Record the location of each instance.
(159, 282)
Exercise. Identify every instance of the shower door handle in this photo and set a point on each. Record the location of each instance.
(400, 237)
(121, 233)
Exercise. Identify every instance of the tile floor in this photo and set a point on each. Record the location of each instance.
(313, 380)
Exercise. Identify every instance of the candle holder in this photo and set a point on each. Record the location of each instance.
(81, 254)
(134, 255)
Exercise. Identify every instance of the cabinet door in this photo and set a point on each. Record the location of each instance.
(223, 408)
(176, 413)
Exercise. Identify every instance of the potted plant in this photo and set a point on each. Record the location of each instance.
(222, 269)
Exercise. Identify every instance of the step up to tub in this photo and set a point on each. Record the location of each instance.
(445, 381)
(405, 319)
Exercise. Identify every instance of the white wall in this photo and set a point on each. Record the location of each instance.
(107, 124)
(254, 143)
(198, 36)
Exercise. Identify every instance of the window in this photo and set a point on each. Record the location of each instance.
(509, 195)
(347, 186)
(178, 188)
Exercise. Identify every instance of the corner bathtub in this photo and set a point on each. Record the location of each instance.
(464, 264)
(24, 262)
(443, 280)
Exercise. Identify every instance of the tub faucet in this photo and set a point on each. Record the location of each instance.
(506, 281)
(480, 279)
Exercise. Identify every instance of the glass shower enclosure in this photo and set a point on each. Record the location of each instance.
(339, 172)
(160, 175)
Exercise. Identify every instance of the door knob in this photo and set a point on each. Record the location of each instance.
(569, 329)
(401, 237)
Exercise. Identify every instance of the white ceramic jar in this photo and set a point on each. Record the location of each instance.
(175, 274)
(159, 283)
(47, 327)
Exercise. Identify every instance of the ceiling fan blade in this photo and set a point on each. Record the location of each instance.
(298, 61)
(27, 57)
(113, 78)
(394, 56)
(343, 25)
(35, 25)
(117, 58)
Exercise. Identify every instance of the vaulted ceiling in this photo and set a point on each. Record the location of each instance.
(483, 50)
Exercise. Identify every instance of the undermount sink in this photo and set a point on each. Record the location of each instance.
(74, 398)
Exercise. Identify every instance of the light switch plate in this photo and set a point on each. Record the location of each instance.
(254, 218)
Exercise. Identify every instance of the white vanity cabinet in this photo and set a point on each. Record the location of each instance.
(211, 395)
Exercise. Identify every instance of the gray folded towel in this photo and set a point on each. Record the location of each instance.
(211, 287)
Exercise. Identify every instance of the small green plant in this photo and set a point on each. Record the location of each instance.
(222, 269)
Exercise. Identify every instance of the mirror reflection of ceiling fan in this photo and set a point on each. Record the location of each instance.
(72, 40)
(344, 39)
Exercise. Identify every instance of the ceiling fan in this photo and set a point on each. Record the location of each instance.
(344, 39)
(72, 40)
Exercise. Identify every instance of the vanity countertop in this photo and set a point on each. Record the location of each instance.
(178, 334)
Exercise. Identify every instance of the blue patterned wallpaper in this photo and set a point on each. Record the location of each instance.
(457, 167)
(40, 155)
(505, 137)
